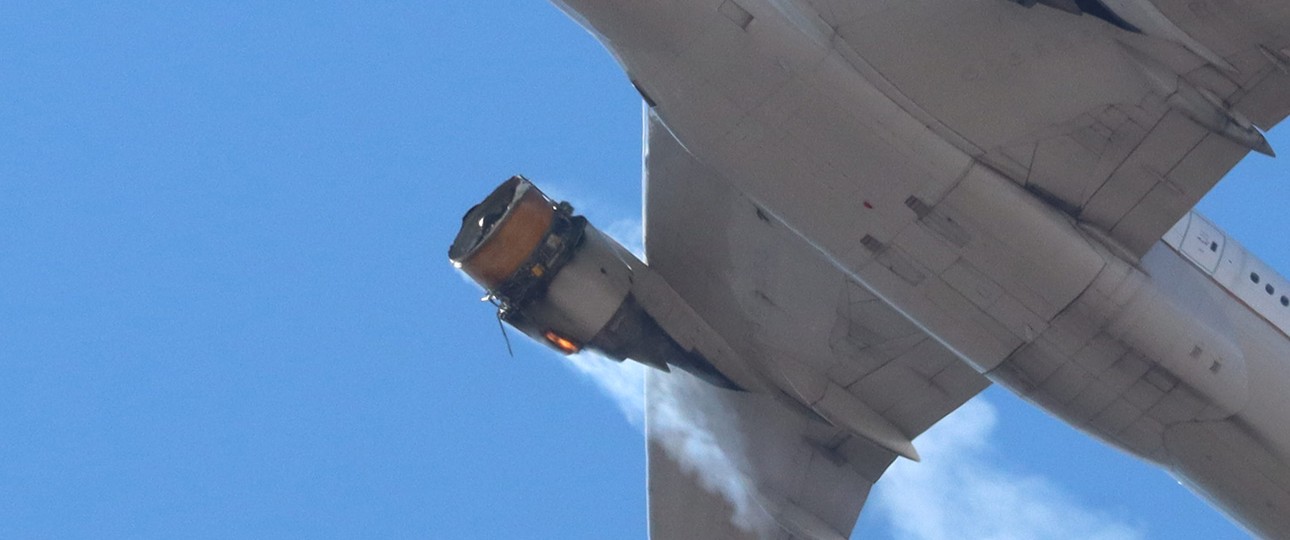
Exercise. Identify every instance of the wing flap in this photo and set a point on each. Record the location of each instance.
(1123, 131)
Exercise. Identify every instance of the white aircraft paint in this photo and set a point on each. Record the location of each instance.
(1176, 352)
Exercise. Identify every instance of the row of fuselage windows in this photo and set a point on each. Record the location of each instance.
(1254, 277)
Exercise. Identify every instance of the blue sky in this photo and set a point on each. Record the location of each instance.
(226, 308)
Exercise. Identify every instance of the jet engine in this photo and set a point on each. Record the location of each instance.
(559, 280)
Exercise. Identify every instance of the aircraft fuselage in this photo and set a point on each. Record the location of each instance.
(1179, 356)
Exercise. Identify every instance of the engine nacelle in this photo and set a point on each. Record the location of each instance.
(561, 281)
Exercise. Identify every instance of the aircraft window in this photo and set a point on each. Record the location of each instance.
(1213, 246)
(1269, 289)
(1285, 301)
(1254, 276)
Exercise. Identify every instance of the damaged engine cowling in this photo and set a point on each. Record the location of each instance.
(562, 282)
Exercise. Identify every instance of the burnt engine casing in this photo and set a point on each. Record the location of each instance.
(559, 280)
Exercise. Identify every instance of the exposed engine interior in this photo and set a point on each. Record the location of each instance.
(561, 281)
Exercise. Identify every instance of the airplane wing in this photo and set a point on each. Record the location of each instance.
(1125, 134)
(733, 465)
(1120, 130)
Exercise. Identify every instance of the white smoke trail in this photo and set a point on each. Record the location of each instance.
(688, 419)
(957, 493)
(623, 382)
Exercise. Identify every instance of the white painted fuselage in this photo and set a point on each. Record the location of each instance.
(1180, 356)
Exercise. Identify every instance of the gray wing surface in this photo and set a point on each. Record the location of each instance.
(1121, 130)
(789, 310)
